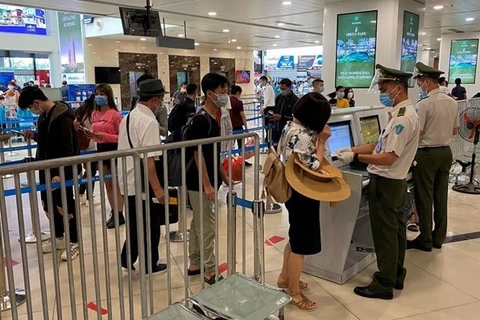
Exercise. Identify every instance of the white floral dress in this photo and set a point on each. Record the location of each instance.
(302, 141)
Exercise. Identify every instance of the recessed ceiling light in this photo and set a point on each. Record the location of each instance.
(94, 52)
(89, 44)
(143, 48)
(215, 49)
(469, 19)
(118, 41)
(197, 44)
(181, 35)
(429, 48)
(234, 40)
(143, 39)
(212, 14)
(439, 7)
(439, 39)
(281, 24)
(277, 37)
(316, 41)
(239, 48)
(287, 3)
(424, 33)
(226, 30)
(274, 45)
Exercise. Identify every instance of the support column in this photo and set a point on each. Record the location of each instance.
(388, 42)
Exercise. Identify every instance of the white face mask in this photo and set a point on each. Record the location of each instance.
(350, 95)
(222, 100)
(11, 87)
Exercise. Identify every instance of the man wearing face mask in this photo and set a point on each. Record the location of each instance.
(439, 122)
(205, 125)
(283, 109)
(389, 161)
(56, 138)
(318, 86)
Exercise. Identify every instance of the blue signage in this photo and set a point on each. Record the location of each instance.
(80, 92)
(6, 77)
(22, 20)
(286, 63)
(305, 62)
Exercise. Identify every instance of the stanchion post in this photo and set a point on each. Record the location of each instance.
(272, 208)
(258, 241)
(2, 154)
(179, 236)
(232, 236)
(29, 145)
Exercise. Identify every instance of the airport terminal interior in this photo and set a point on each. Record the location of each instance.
(67, 49)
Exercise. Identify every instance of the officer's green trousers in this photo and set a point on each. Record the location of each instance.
(430, 176)
(386, 203)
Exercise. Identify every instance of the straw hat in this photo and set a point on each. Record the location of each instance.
(327, 185)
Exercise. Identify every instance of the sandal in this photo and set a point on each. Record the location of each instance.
(304, 304)
(284, 285)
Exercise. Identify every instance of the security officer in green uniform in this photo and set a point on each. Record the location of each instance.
(389, 162)
(439, 121)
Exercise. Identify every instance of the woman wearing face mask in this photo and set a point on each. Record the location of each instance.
(11, 96)
(350, 95)
(341, 101)
(105, 128)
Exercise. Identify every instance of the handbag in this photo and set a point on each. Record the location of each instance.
(172, 192)
(275, 183)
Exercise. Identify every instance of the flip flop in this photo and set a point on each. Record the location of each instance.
(212, 279)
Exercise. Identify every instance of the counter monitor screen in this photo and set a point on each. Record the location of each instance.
(370, 129)
(341, 136)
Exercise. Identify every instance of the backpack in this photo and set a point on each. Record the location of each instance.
(175, 155)
(275, 183)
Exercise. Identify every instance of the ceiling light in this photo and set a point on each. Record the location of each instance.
(287, 3)
(226, 30)
(424, 33)
(94, 52)
(143, 39)
(277, 37)
(316, 41)
(239, 48)
(197, 44)
(439, 7)
(89, 44)
(274, 45)
(281, 24)
(215, 49)
(439, 39)
(469, 19)
(118, 41)
(429, 48)
(181, 35)
(234, 40)
(143, 48)
(212, 14)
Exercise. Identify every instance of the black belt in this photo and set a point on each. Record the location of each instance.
(433, 148)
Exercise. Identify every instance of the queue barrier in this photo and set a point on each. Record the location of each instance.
(92, 282)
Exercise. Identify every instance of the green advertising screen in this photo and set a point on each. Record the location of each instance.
(409, 42)
(463, 60)
(356, 47)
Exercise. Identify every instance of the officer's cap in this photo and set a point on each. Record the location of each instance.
(383, 74)
(424, 71)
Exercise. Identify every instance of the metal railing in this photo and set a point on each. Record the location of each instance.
(95, 282)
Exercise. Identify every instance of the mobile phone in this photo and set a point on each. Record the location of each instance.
(155, 200)
(85, 129)
(270, 112)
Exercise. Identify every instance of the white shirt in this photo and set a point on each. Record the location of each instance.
(438, 115)
(444, 90)
(144, 132)
(268, 97)
(401, 137)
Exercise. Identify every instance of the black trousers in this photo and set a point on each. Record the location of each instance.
(58, 217)
(131, 234)
(84, 187)
(239, 141)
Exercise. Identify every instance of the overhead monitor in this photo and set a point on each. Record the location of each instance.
(136, 22)
(370, 127)
(356, 49)
(342, 136)
(19, 19)
(463, 60)
(110, 75)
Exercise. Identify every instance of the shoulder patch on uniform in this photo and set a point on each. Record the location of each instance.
(401, 112)
(399, 128)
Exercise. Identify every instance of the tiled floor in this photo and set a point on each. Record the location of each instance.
(444, 284)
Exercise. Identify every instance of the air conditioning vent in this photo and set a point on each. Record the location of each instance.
(456, 31)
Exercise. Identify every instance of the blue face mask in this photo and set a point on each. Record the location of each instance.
(322, 89)
(341, 95)
(422, 93)
(385, 100)
(101, 100)
(283, 93)
(262, 85)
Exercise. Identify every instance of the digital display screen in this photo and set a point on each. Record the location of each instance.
(341, 136)
(463, 60)
(411, 23)
(356, 49)
(242, 76)
(370, 127)
(22, 20)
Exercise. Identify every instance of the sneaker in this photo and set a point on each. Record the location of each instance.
(47, 246)
(83, 199)
(111, 220)
(158, 269)
(74, 251)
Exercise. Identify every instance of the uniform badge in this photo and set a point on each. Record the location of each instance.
(399, 128)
